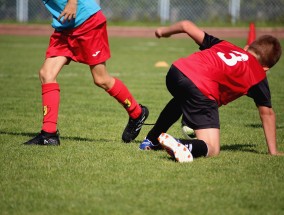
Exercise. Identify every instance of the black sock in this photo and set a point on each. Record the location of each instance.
(198, 148)
(169, 115)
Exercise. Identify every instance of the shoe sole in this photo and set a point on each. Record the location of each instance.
(44, 142)
(180, 153)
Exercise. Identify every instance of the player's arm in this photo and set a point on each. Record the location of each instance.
(268, 119)
(69, 11)
(262, 98)
(185, 26)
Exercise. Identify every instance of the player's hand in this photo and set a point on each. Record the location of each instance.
(158, 33)
(162, 32)
(69, 11)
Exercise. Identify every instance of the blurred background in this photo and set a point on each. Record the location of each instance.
(147, 12)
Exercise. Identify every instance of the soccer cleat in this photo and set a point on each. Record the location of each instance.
(134, 126)
(188, 132)
(45, 139)
(148, 145)
(175, 149)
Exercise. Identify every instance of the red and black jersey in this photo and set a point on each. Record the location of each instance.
(223, 72)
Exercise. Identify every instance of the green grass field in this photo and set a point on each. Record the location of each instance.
(93, 172)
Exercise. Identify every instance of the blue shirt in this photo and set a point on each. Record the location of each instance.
(85, 9)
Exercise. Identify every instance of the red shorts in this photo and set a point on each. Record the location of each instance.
(87, 43)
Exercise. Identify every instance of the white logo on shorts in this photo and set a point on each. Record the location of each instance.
(96, 54)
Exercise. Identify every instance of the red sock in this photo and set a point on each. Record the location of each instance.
(50, 104)
(120, 92)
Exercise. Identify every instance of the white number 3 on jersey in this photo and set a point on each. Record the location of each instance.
(235, 58)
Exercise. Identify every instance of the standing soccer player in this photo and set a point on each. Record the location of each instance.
(200, 83)
(80, 35)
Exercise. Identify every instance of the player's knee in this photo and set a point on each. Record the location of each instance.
(46, 76)
(105, 83)
(213, 150)
(100, 82)
(42, 75)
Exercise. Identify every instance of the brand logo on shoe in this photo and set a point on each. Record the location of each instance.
(45, 142)
(138, 127)
(127, 103)
(142, 120)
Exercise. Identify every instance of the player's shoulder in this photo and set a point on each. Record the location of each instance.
(209, 41)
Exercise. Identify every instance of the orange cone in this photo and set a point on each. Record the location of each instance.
(251, 35)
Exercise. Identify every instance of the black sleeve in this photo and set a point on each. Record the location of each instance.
(209, 41)
(261, 94)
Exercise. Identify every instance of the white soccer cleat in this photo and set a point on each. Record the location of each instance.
(188, 132)
(177, 150)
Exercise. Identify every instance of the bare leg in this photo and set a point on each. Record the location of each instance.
(211, 136)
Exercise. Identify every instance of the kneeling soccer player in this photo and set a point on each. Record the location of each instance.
(202, 82)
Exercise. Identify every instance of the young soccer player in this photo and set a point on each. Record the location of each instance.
(80, 35)
(200, 83)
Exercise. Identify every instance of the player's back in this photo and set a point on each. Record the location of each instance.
(223, 72)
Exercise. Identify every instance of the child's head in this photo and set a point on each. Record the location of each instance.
(267, 50)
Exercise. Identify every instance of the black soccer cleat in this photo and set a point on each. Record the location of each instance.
(134, 126)
(45, 139)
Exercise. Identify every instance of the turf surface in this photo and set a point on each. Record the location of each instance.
(93, 172)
